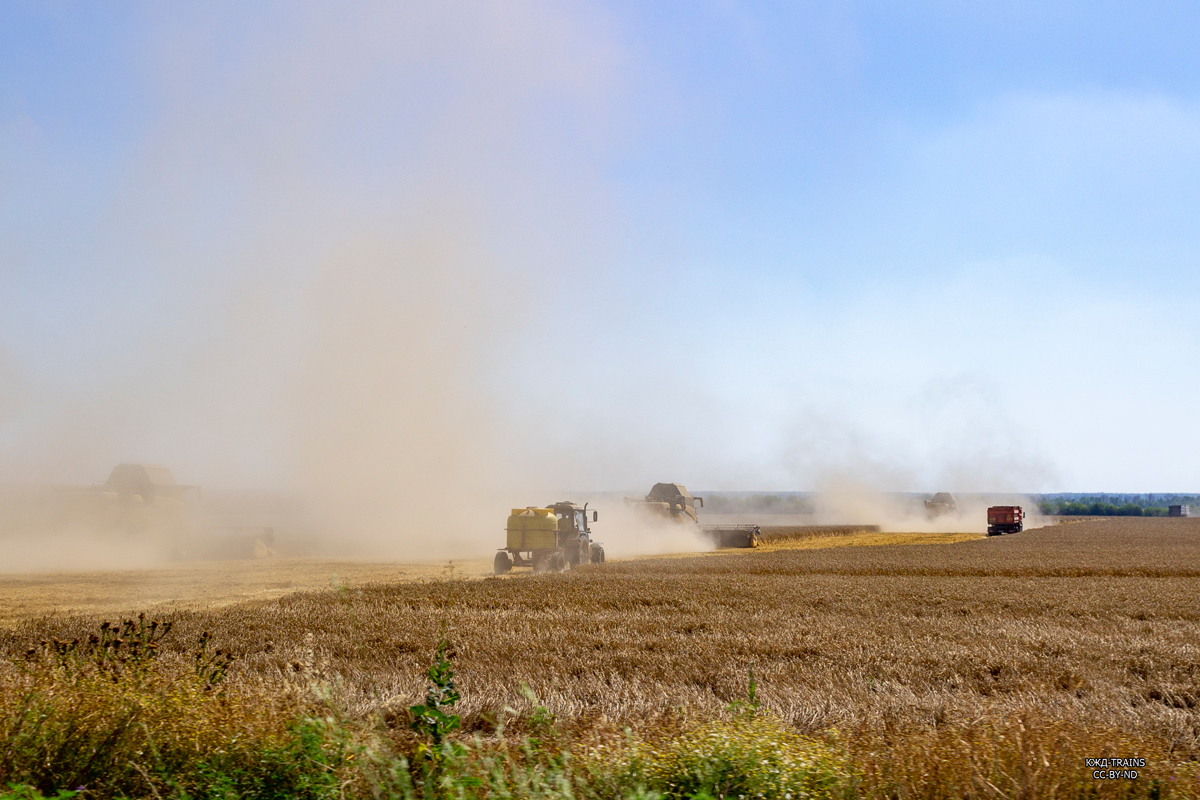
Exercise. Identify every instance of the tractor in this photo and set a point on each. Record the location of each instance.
(550, 539)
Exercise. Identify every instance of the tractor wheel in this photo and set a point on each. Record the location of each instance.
(559, 563)
(574, 555)
(597, 554)
(503, 562)
(542, 561)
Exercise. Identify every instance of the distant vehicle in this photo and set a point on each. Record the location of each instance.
(148, 482)
(1179, 511)
(1005, 519)
(673, 501)
(941, 503)
(143, 508)
(669, 500)
(550, 539)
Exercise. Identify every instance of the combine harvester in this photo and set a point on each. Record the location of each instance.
(151, 490)
(141, 505)
(550, 539)
(673, 501)
(943, 503)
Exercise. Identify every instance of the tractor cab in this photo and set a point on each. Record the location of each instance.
(574, 533)
(573, 518)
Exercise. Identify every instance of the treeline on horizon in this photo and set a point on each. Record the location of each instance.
(1107, 505)
(1065, 504)
(1070, 508)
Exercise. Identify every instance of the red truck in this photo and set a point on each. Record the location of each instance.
(1005, 519)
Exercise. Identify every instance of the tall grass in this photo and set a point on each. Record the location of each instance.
(86, 718)
(72, 722)
(110, 717)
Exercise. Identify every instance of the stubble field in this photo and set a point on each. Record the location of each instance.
(934, 664)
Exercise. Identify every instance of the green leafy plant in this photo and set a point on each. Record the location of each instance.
(749, 706)
(753, 757)
(541, 720)
(434, 718)
(16, 791)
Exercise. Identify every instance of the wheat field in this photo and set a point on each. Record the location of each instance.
(1087, 635)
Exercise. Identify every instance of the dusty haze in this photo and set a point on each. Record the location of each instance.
(270, 307)
(340, 335)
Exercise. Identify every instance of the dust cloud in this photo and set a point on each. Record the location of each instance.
(901, 512)
(627, 531)
(328, 269)
(50, 528)
(321, 261)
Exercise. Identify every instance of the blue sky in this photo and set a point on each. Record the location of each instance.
(783, 246)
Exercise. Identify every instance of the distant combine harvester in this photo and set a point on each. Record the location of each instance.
(142, 505)
(674, 502)
(942, 503)
(149, 482)
(1179, 511)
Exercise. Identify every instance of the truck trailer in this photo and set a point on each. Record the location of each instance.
(1005, 519)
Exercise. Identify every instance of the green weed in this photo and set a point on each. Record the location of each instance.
(750, 757)
(434, 719)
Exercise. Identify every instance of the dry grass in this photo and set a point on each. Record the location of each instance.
(794, 533)
(821, 541)
(208, 585)
(202, 585)
(1078, 637)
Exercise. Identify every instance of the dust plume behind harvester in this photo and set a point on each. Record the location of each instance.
(672, 501)
(151, 489)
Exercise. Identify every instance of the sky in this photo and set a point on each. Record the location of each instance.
(744, 246)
